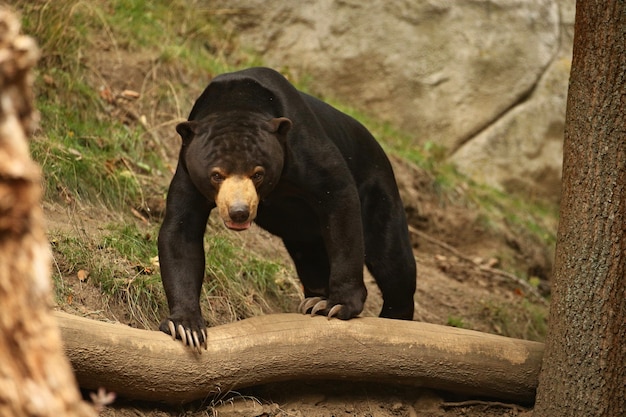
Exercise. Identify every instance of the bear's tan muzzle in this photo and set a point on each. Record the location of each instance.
(237, 202)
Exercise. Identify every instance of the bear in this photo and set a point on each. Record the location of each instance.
(259, 150)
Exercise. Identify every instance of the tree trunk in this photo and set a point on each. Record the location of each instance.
(35, 377)
(584, 368)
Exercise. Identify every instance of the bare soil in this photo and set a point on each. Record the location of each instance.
(458, 255)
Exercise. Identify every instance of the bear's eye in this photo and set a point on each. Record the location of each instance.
(257, 177)
(216, 177)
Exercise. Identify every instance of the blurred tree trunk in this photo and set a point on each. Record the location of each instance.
(584, 367)
(35, 376)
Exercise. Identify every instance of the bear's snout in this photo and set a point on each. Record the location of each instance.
(237, 201)
(239, 213)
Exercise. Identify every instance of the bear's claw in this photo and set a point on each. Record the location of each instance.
(335, 310)
(188, 337)
(308, 303)
(321, 305)
(316, 304)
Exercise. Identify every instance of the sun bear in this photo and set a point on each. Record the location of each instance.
(259, 150)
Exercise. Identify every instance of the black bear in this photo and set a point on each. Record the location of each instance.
(260, 150)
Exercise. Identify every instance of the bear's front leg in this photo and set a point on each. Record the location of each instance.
(181, 258)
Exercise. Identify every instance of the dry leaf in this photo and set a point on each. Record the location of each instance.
(131, 94)
(493, 262)
(48, 79)
(76, 153)
(106, 94)
(82, 275)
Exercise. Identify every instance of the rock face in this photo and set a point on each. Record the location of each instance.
(444, 71)
(523, 150)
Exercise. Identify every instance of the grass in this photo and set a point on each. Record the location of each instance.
(92, 161)
(520, 319)
(243, 284)
(454, 321)
(85, 154)
(121, 261)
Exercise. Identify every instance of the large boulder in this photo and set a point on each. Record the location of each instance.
(522, 151)
(444, 71)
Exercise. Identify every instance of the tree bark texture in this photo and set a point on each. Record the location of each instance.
(584, 369)
(35, 377)
(149, 365)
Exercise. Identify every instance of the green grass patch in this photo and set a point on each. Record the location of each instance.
(520, 319)
(242, 283)
(454, 321)
(122, 263)
(94, 163)
(519, 214)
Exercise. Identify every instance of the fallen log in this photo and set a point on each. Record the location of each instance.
(148, 365)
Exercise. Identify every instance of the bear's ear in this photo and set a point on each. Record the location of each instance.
(280, 126)
(187, 130)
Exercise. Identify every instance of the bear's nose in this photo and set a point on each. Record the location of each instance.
(239, 213)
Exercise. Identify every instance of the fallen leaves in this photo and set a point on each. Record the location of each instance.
(82, 275)
(130, 94)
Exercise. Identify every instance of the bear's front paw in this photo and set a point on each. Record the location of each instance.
(321, 306)
(191, 332)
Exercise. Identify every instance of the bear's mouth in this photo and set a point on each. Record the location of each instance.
(237, 226)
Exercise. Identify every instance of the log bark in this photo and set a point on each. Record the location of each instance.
(149, 365)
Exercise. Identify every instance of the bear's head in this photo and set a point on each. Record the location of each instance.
(235, 159)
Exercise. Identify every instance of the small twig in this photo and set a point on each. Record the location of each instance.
(440, 244)
(485, 403)
(532, 290)
(229, 12)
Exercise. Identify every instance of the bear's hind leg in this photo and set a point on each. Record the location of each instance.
(395, 276)
(389, 256)
(311, 262)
